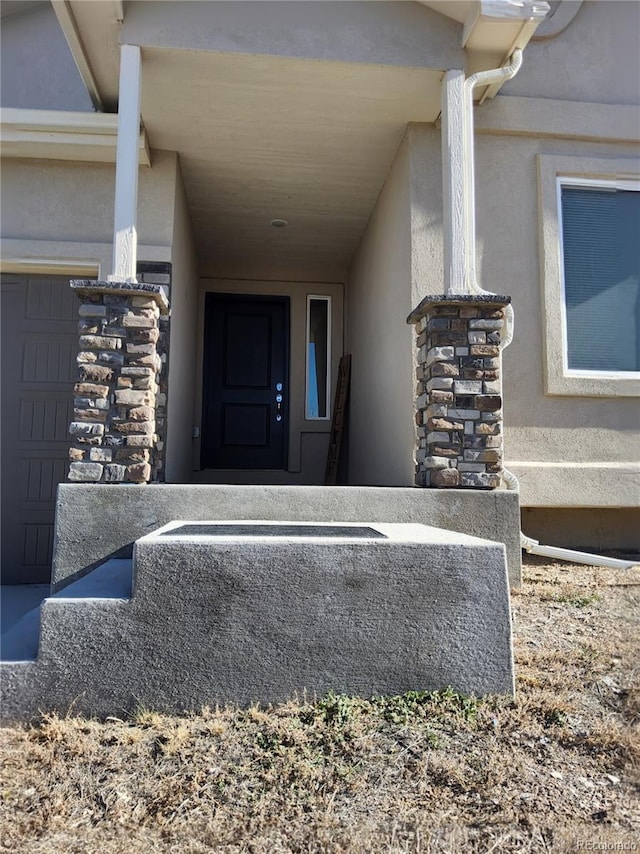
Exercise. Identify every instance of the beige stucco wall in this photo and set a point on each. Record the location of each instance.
(53, 200)
(379, 298)
(540, 427)
(386, 33)
(308, 438)
(182, 353)
(594, 59)
(37, 69)
(571, 451)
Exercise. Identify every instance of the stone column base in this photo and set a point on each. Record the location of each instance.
(114, 428)
(459, 405)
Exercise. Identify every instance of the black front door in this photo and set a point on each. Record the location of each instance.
(245, 400)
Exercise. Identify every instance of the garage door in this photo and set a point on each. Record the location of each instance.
(39, 348)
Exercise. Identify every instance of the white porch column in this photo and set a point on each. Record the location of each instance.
(125, 238)
(454, 195)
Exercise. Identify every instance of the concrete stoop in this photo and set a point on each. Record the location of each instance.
(218, 613)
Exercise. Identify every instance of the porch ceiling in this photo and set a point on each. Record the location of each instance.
(262, 137)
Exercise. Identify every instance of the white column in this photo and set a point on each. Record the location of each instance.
(454, 195)
(125, 238)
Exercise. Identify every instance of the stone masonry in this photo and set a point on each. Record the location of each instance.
(459, 406)
(114, 431)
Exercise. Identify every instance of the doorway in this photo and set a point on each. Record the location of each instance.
(245, 423)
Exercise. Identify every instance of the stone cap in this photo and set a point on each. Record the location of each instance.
(421, 310)
(158, 293)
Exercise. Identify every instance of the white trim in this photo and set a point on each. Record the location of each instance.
(614, 183)
(52, 266)
(62, 135)
(515, 115)
(554, 171)
(67, 22)
(326, 417)
(20, 256)
(125, 237)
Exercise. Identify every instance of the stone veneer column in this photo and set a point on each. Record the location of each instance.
(459, 406)
(114, 428)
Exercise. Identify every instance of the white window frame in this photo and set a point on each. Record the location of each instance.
(555, 172)
(307, 416)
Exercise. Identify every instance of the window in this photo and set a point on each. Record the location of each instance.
(318, 382)
(589, 218)
(600, 236)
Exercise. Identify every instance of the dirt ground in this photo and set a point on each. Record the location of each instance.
(558, 769)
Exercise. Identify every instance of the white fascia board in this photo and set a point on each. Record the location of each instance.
(57, 135)
(67, 22)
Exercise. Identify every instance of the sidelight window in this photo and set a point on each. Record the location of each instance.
(318, 378)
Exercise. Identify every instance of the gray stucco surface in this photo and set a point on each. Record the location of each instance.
(95, 520)
(217, 619)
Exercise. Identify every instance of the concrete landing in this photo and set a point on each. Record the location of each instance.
(94, 521)
(218, 617)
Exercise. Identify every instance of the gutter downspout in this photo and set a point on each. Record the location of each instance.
(484, 78)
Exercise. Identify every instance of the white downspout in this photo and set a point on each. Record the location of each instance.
(499, 75)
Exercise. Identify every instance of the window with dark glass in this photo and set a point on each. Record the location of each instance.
(601, 266)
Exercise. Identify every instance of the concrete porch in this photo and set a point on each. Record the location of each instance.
(97, 522)
(207, 613)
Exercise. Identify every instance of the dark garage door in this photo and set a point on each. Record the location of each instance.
(39, 348)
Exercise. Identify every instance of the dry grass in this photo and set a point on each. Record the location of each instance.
(556, 770)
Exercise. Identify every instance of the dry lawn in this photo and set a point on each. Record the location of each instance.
(556, 770)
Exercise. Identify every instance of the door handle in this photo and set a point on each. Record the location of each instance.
(279, 399)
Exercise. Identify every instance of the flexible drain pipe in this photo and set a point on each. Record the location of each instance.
(486, 78)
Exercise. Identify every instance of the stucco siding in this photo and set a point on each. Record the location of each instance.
(53, 200)
(584, 449)
(538, 427)
(182, 365)
(594, 59)
(379, 296)
(37, 69)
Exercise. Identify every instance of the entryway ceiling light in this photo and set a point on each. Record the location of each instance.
(279, 223)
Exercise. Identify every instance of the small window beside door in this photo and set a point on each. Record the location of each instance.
(318, 349)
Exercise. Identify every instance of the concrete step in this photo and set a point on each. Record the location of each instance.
(234, 613)
(20, 631)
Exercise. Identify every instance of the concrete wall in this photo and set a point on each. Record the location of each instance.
(379, 298)
(37, 69)
(586, 528)
(594, 59)
(386, 33)
(182, 362)
(308, 439)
